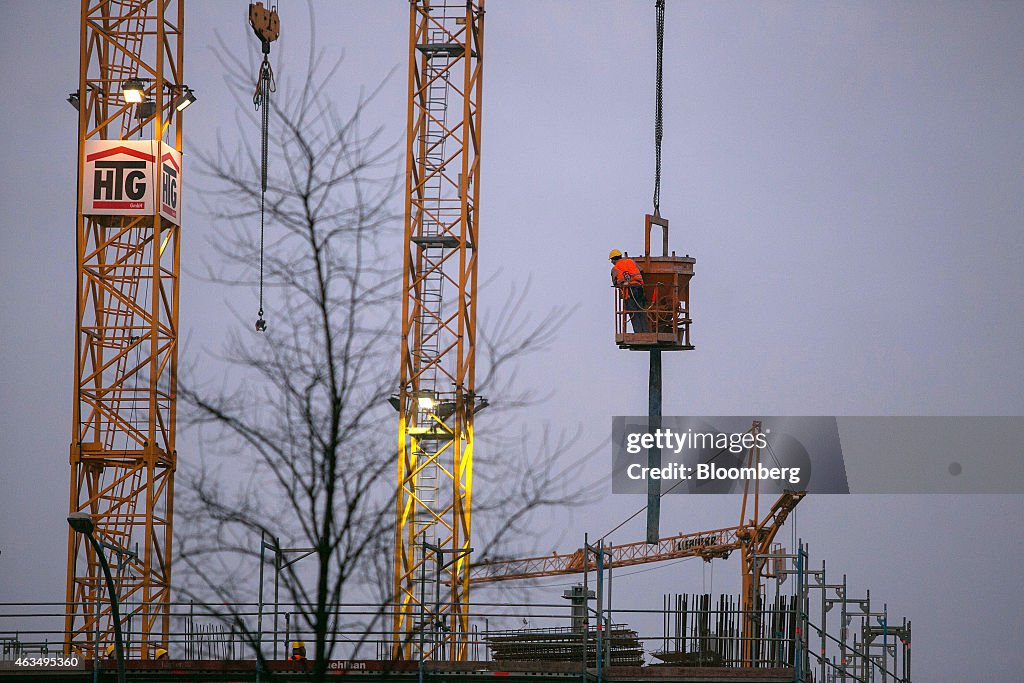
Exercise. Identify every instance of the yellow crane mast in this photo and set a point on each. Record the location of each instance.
(436, 400)
(130, 95)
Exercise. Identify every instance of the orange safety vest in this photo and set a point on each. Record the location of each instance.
(625, 274)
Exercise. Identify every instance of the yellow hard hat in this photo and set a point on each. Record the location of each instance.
(614, 253)
(160, 652)
(296, 644)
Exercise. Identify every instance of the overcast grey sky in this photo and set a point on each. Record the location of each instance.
(848, 176)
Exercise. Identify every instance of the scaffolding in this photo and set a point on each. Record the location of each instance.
(789, 630)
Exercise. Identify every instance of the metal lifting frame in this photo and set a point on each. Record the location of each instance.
(436, 399)
(122, 453)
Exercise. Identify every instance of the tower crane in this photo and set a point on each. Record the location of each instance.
(750, 538)
(131, 91)
(436, 400)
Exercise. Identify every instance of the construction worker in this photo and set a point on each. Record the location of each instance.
(627, 277)
(111, 652)
(298, 651)
(160, 654)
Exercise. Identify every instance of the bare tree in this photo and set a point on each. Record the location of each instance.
(297, 437)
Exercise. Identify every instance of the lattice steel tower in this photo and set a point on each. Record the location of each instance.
(436, 399)
(126, 337)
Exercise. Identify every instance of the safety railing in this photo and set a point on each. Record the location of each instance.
(702, 633)
(660, 320)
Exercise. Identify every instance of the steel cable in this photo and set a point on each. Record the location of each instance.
(261, 100)
(659, 7)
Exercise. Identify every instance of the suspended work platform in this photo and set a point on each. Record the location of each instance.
(665, 321)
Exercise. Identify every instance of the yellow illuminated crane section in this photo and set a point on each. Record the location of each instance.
(436, 400)
(130, 96)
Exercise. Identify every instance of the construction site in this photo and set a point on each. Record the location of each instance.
(346, 466)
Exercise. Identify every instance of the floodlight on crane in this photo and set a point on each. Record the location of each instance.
(187, 98)
(133, 90)
(146, 109)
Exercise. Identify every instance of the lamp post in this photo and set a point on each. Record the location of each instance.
(82, 523)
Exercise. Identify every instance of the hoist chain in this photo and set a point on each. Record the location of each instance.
(261, 100)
